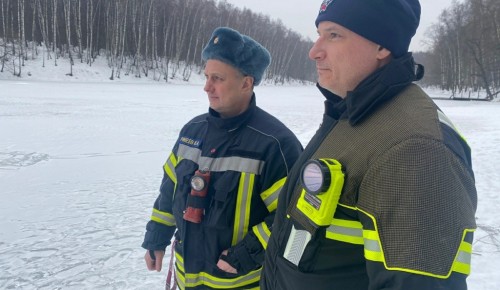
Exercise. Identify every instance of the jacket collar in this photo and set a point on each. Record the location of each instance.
(232, 123)
(382, 85)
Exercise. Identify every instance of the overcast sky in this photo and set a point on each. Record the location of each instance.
(299, 15)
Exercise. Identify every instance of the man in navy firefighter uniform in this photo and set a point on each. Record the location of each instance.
(222, 180)
(383, 196)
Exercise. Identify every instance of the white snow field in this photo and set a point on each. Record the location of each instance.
(81, 163)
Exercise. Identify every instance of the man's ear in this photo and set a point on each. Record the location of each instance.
(248, 83)
(383, 53)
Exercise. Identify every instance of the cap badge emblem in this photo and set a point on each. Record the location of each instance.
(324, 5)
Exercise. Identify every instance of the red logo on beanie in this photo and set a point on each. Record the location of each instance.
(324, 5)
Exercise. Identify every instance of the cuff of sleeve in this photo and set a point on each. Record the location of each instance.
(239, 258)
(157, 237)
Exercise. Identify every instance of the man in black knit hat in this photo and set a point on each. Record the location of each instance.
(383, 196)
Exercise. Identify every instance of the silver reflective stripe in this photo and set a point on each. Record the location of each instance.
(243, 207)
(445, 120)
(164, 218)
(372, 245)
(170, 168)
(239, 164)
(464, 257)
(297, 242)
(345, 231)
(268, 201)
(180, 262)
(180, 283)
(179, 275)
(203, 278)
(262, 232)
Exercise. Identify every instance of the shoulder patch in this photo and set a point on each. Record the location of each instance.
(195, 143)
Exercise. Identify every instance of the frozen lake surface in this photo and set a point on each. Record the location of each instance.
(81, 163)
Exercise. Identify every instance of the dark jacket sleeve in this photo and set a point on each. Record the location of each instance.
(418, 202)
(161, 227)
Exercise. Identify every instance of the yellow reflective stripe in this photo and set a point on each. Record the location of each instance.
(373, 252)
(163, 217)
(263, 233)
(179, 276)
(347, 231)
(203, 278)
(169, 167)
(462, 263)
(242, 211)
(270, 196)
(193, 280)
(180, 260)
(180, 279)
(373, 248)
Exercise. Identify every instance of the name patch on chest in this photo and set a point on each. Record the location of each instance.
(190, 142)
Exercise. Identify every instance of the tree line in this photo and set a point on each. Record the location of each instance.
(158, 38)
(465, 49)
(164, 38)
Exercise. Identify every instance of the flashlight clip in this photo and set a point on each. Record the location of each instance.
(196, 200)
(319, 207)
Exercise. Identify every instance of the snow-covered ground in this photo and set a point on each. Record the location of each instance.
(81, 162)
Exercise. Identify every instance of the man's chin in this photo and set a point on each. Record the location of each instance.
(324, 84)
(328, 87)
(212, 104)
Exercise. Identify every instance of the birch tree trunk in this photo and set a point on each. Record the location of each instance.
(67, 16)
(5, 15)
(54, 28)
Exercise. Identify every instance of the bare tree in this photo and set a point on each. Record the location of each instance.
(90, 30)
(138, 28)
(67, 16)
(54, 30)
(33, 29)
(77, 12)
(21, 34)
(5, 19)
(466, 45)
(146, 54)
(123, 36)
(140, 36)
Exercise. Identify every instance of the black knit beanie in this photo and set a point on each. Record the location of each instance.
(389, 23)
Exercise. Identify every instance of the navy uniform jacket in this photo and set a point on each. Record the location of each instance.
(405, 217)
(249, 157)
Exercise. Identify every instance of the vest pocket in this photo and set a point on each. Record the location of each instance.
(220, 213)
(184, 171)
(303, 253)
